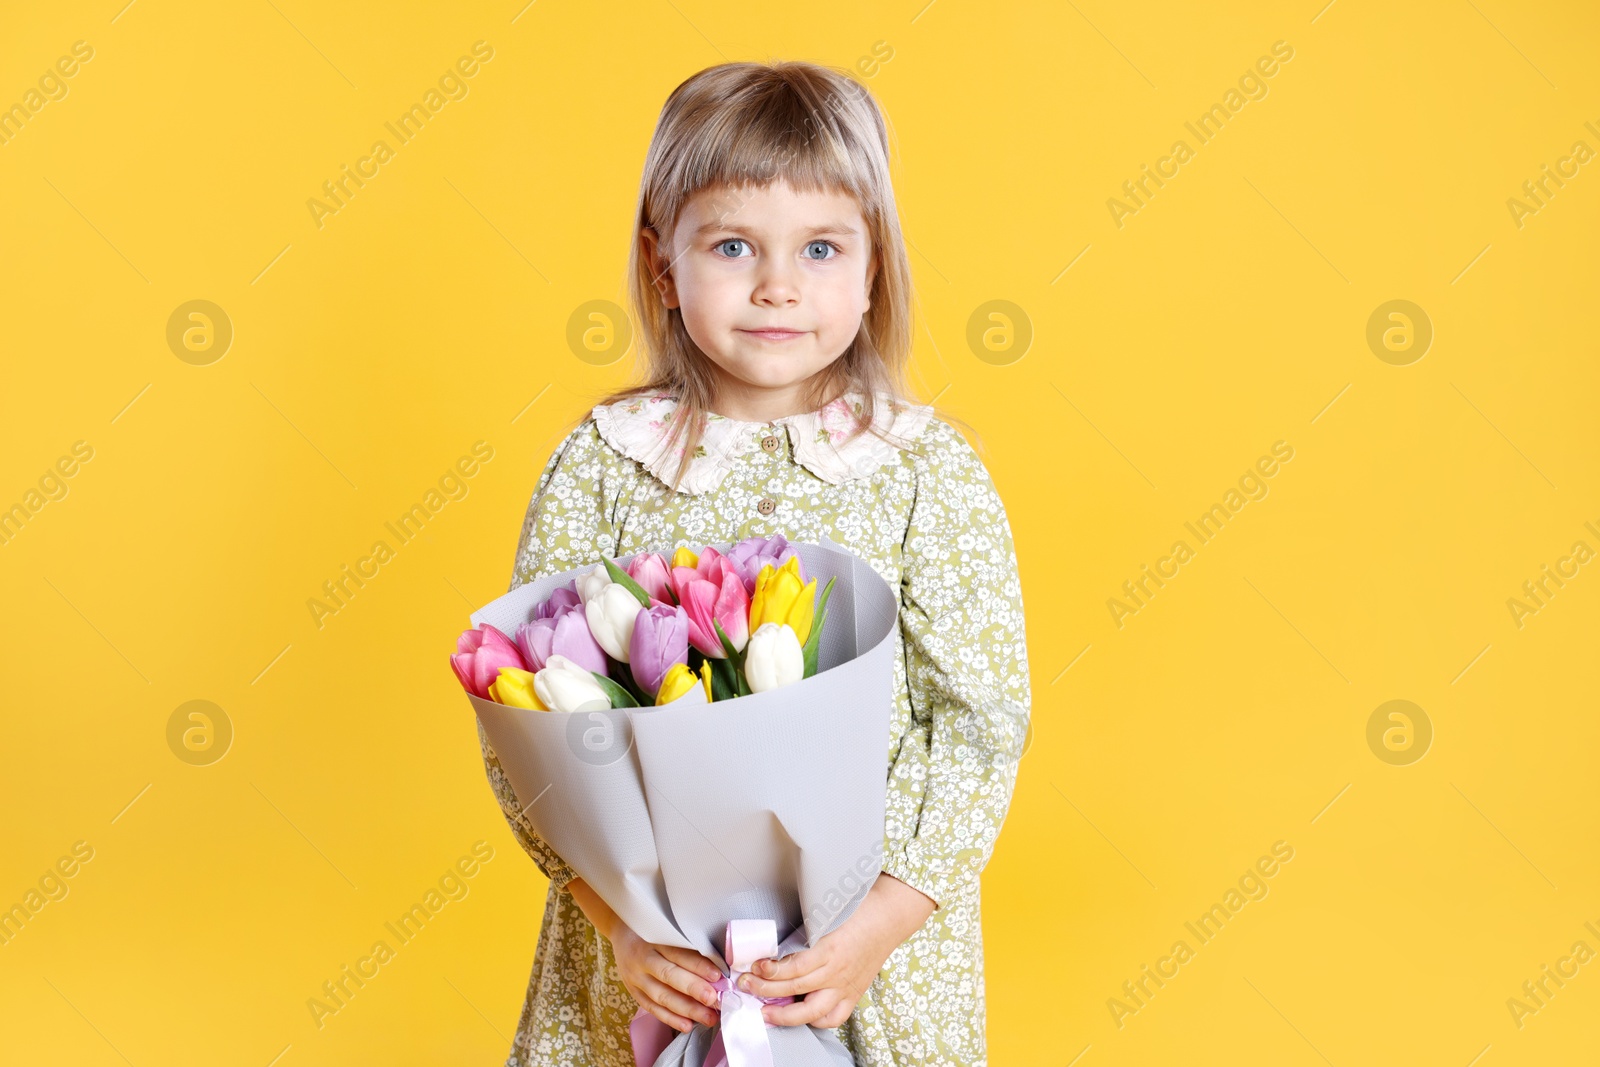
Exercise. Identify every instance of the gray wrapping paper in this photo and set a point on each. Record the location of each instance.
(684, 817)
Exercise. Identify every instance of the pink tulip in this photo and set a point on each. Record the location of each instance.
(565, 633)
(710, 564)
(653, 573)
(718, 595)
(479, 656)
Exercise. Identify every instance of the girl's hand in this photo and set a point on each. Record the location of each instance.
(671, 983)
(834, 973)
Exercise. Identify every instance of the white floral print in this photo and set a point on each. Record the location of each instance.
(927, 519)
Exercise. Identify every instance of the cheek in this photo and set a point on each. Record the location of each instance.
(705, 304)
(707, 294)
(845, 298)
(702, 306)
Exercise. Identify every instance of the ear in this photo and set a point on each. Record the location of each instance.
(660, 268)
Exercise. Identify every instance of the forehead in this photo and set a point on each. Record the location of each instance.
(774, 208)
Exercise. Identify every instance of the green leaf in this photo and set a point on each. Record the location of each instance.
(827, 591)
(723, 683)
(620, 576)
(622, 675)
(809, 652)
(735, 660)
(733, 654)
(620, 697)
(815, 636)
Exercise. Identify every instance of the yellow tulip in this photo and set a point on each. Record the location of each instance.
(685, 558)
(678, 680)
(514, 688)
(780, 598)
(705, 676)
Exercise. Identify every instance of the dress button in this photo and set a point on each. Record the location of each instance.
(769, 443)
(767, 505)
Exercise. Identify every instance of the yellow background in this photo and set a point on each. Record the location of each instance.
(1229, 313)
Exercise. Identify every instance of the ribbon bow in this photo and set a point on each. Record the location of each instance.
(741, 1039)
(743, 1036)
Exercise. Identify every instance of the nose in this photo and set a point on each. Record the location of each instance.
(776, 285)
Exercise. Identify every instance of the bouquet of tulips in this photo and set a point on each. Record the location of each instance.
(647, 635)
(689, 737)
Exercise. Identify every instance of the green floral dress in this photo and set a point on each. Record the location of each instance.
(928, 519)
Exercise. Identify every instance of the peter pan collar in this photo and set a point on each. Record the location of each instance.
(637, 428)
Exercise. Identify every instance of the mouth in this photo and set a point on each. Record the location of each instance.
(774, 335)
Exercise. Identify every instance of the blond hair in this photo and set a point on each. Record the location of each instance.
(746, 125)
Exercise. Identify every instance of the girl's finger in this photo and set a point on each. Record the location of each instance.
(798, 1013)
(690, 961)
(686, 982)
(683, 1006)
(837, 1017)
(677, 1022)
(791, 966)
(643, 998)
(787, 987)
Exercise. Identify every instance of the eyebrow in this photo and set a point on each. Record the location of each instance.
(831, 228)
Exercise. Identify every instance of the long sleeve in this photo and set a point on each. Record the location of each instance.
(966, 668)
(568, 524)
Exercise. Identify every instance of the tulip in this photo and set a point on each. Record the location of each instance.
(680, 682)
(565, 686)
(592, 583)
(660, 638)
(774, 658)
(705, 676)
(565, 633)
(708, 565)
(753, 553)
(611, 613)
(515, 688)
(561, 600)
(479, 656)
(704, 562)
(717, 596)
(781, 597)
(653, 576)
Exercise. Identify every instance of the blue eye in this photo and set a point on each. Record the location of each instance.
(730, 241)
(826, 245)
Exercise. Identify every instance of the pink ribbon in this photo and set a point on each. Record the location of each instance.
(741, 1039)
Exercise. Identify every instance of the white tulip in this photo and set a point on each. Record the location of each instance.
(611, 615)
(773, 657)
(565, 686)
(591, 583)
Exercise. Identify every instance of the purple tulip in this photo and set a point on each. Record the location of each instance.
(660, 639)
(566, 633)
(561, 600)
(751, 554)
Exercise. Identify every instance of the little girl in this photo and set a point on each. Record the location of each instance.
(773, 294)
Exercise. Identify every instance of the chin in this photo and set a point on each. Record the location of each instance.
(771, 381)
(772, 373)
